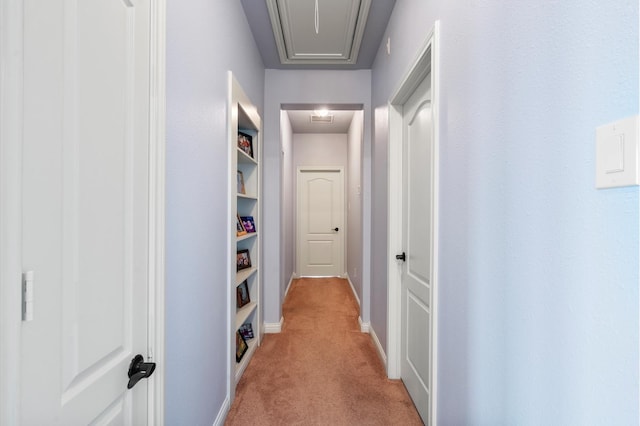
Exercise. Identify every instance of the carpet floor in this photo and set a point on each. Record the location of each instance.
(320, 370)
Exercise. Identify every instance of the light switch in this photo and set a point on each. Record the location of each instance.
(614, 153)
(617, 153)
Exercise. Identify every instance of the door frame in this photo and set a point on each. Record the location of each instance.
(11, 101)
(427, 63)
(11, 95)
(299, 171)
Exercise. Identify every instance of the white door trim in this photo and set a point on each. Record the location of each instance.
(11, 99)
(157, 203)
(299, 170)
(426, 62)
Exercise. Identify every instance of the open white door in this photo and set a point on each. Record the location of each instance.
(417, 237)
(320, 216)
(413, 231)
(85, 212)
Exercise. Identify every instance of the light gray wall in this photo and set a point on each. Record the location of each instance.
(319, 149)
(288, 207)
(539, 277)
(205, 39)
(354, 202)
(310, 87)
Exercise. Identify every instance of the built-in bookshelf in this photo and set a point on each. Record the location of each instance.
(245, 145)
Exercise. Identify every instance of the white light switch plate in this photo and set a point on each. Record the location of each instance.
(617, 153)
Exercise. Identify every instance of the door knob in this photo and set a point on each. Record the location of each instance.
(138, 369)
(336, 229)
(402, 257)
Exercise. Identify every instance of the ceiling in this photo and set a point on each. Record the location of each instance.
(297, 19)
(339, 24)
(301, 122)
(299, 117)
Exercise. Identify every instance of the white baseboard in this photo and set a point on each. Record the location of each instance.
(376, 341)
(353, 289)
(293, 277)
(364, 326)
(273, 327)
(222, 414)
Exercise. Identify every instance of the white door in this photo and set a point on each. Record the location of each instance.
(320, 222)
(417, 235)
(85, 210)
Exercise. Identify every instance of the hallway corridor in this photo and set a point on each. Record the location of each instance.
(320, 370)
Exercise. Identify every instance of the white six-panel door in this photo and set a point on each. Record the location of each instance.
(417, 235)
(320, 215)
(85, 210)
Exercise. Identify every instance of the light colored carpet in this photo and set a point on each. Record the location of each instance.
(320, 370)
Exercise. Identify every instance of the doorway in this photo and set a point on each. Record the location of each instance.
(312, 142)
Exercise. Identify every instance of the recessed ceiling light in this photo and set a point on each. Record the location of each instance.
(321, 112)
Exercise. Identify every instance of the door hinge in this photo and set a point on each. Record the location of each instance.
(27, 296)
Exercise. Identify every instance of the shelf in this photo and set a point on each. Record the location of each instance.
(243, 158)
(240, 366)
(244, 313)
(244, 274)
(247, 236)
(244, 117)
(247, 196)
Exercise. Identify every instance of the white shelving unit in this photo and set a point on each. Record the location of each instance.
(244, 119)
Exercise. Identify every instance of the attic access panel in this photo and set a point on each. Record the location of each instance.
(330, 33)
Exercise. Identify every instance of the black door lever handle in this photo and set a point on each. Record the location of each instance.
(138, 370)
(401, 257)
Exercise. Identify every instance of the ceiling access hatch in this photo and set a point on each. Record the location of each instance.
(318, 31)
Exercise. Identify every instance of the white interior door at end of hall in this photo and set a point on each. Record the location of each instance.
(320, 223)
(417, 238)
(85, 210)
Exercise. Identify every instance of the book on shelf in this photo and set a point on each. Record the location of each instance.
(243, 260)
(248, 224)
(240, 227)
(241, 346)
(242, 294)
(240, 183)
(245, 143)
(246, 330)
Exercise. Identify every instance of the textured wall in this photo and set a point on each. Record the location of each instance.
(204, 41)
(538, 270)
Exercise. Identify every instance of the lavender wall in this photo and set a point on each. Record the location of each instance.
(288, 206)
(538, 270)
(379, 201)
(354, 202)
(319, 149)
(204, 41)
